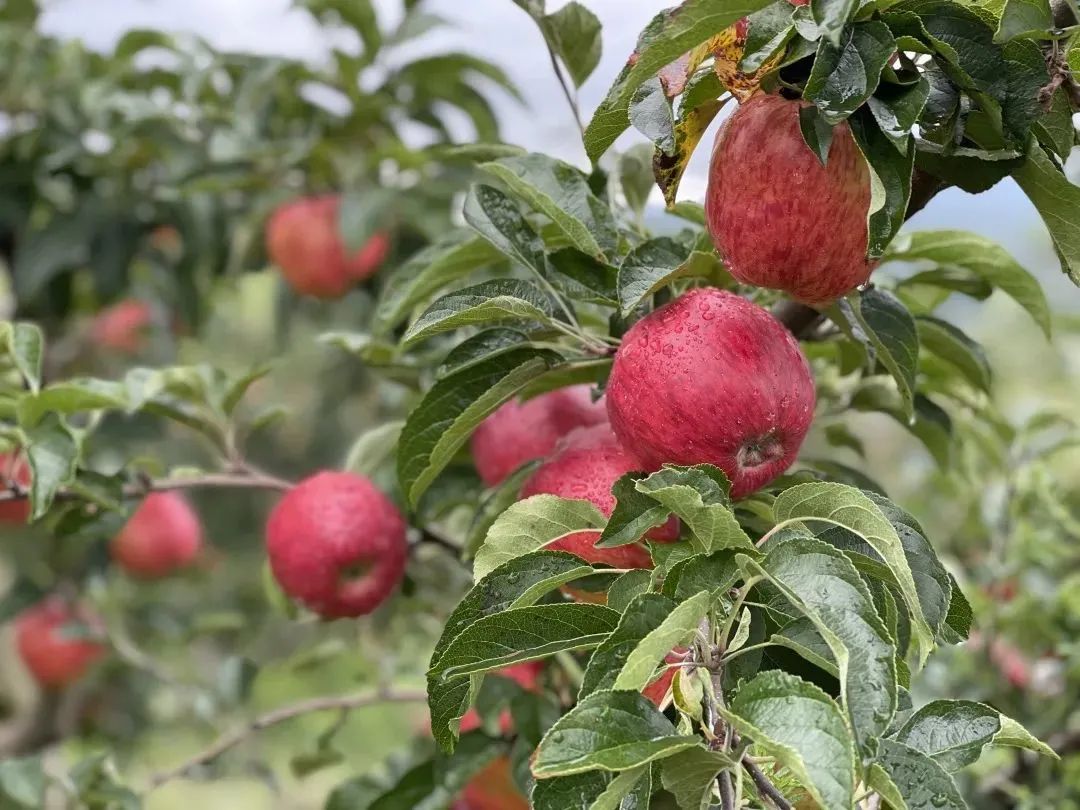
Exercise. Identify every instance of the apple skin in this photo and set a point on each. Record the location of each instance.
(494, 788)
(122, 327)
(711, 378)
(585, 465)
(657, 690)
(778, 218)
(162, 536)
(52, 659)
(519, 432)
(303, 240)
(337, 544)
(14, 468)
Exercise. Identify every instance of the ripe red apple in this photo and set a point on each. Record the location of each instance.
(657, 690)
(494, 788)
(302, 238)
(163, 535)
(337, 544)
(14, 469)
(712, 378)
(780, 219)
(519, 432)
(122, 327)
(585, 465)
(54, 658)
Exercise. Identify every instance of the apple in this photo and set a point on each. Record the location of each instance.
(585, 465)
(711, 378)
(519, 432)
(494, 788)
(657, 689)
(303, 240)
(14, 469)
(778, 218)
(525, 675)
(122, 328)
(53, 657)
(337, 544)
(163, 535)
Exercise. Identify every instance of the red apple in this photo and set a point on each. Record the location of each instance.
(122, 327)
(519, 432)
(303, 240)
(525, 675)
(337, 544)
(780, 219)
(585, 465)
(657, 690)
(494, 789)
(14, 469)
(712, 378)
(162, 536)
(54, 658)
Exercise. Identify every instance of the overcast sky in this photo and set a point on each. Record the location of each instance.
(498, 30)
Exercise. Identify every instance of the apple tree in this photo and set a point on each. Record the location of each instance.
(592, 432)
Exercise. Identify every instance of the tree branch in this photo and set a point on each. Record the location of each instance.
(239, 479)
(226, 742)
(764, 786)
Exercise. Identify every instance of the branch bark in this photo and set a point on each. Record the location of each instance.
(226, 742)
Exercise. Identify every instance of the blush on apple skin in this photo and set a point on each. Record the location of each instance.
(778, 218)
(711, 378)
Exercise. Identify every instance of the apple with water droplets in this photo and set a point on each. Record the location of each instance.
(711, 378)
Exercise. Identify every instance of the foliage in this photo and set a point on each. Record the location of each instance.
(802, 617)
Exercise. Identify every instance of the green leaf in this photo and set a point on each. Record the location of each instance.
(955, 732)
(1058, 202)
(889, 328)
(562, 194)
(363, 213)
(574, 34)
(496, 217)
(979, 255)
(636, 176)
(958, 620)
(831, 16)
(373, 448)
(645, 613)
(595, 790)
(823, 585)
(816, 131)
(846, 75)
(25, 345)
(698, 108)
(72, 396)
(1025, 18)
(799, 724)
(699, 496)
(890, 181)
(670, 34)
(441, 424)
(846, 506)
(627, 587)
(497, 501)
(690, 776)
(517, 583)
(425, 273)
(634, 513)
(22, 783)
(896, 109)
(674, 631)
(531, 524)
(716, 572)
(582, 278)
(507, 637)
(608, 731)
(648, 267)
(921, 782)
(1054, 129)
(768, 30)
(488, 302)
(52, 449)
(952, 345)
(931, 425)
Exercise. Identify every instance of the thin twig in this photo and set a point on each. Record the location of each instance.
(764, 786)
(571, 98)
(231, 739)
(239, 480)
(435, 539)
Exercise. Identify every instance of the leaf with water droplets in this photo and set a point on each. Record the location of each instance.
(609, 731)
(799, 724)
(916, 778)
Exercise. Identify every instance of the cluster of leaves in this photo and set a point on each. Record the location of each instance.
(102, 148)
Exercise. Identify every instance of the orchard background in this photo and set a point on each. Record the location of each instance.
(234, 252)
